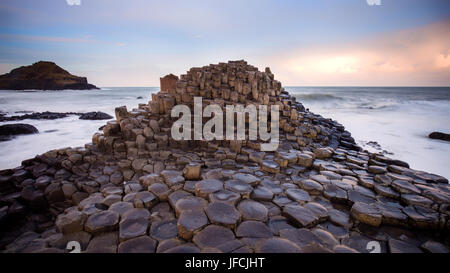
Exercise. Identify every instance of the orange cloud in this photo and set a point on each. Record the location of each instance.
(419, 56)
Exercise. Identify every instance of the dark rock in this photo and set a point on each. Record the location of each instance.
(277, 245)
(8, 131)
(95, 116)
(439, 135)
(142, 244)
(42, 76)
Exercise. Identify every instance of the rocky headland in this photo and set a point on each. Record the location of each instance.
(42, 76)
(136, 189)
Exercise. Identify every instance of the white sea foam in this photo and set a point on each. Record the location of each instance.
(399, 119)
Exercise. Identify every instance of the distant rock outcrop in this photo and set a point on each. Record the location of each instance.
(8, 131)
(439, 135)
(42, 76)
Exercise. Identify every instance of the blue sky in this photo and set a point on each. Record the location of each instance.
(316, 42)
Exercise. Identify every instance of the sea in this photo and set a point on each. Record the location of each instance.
(392, 120)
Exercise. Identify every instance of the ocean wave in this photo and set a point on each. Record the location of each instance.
(318, 96)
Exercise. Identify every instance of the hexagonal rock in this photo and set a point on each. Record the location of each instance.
(136, 213)
(213, 236)
(434, 247)
(70, 222)
(397, 246)
(310, 186)
(318, 210)
(192, 171)
(102, 222)
(239, 186)
(160, 190)
(190, 203)
(121, 207)
(223, 214)
(247, 178)
(404, 187)
(376, 169)
(132, 228)
(335, 194)
(392, 215)
(173, 179)
(301, 237)
(103, 243)
(386, 191)
(365, 213)
(111, 199)
(149, 179)
(184, 248)
(298, 195)
(252, 210)
(344, 249)
(177, 195)
(162, 230)
(142, 244)
(277, 245)
(261, 193)
(253, 229)
(145, 199)
(225, 196)
(301, 216)
(190, 222)
(207, 186)
(339, 217)
(270, 166)
(305, 160)
(323, 153)
(417, 200)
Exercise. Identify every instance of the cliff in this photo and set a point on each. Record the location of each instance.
(42, 76)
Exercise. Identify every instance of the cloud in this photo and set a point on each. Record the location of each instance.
(417, 56)
(73, 2)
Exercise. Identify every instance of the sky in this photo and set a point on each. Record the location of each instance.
(304, 42)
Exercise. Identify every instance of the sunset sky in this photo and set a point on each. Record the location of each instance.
(309, 42)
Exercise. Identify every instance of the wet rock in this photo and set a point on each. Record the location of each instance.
(240, 187)
(397, 246)
(225, 196)
(253, 229)
(439, 135)
(300, 215)
(251, 210)
(163, 230)
(223, 214)
(142, 244)
(262, 194)
(277, 245)
(365, 213)
(190, 222)
(298, 195)
(434, 247)
(213, 236)
(104, 243)
(103, 221)
(70, 222)
(95, 116)
(8, 131)
(207, 186)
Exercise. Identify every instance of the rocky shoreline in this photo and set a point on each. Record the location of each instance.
(135, 189)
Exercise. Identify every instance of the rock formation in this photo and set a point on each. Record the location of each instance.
(136, 189)
(42, 76)
(8, 131)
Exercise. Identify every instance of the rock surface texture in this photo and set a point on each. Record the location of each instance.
(136, 189)
(42, 76)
